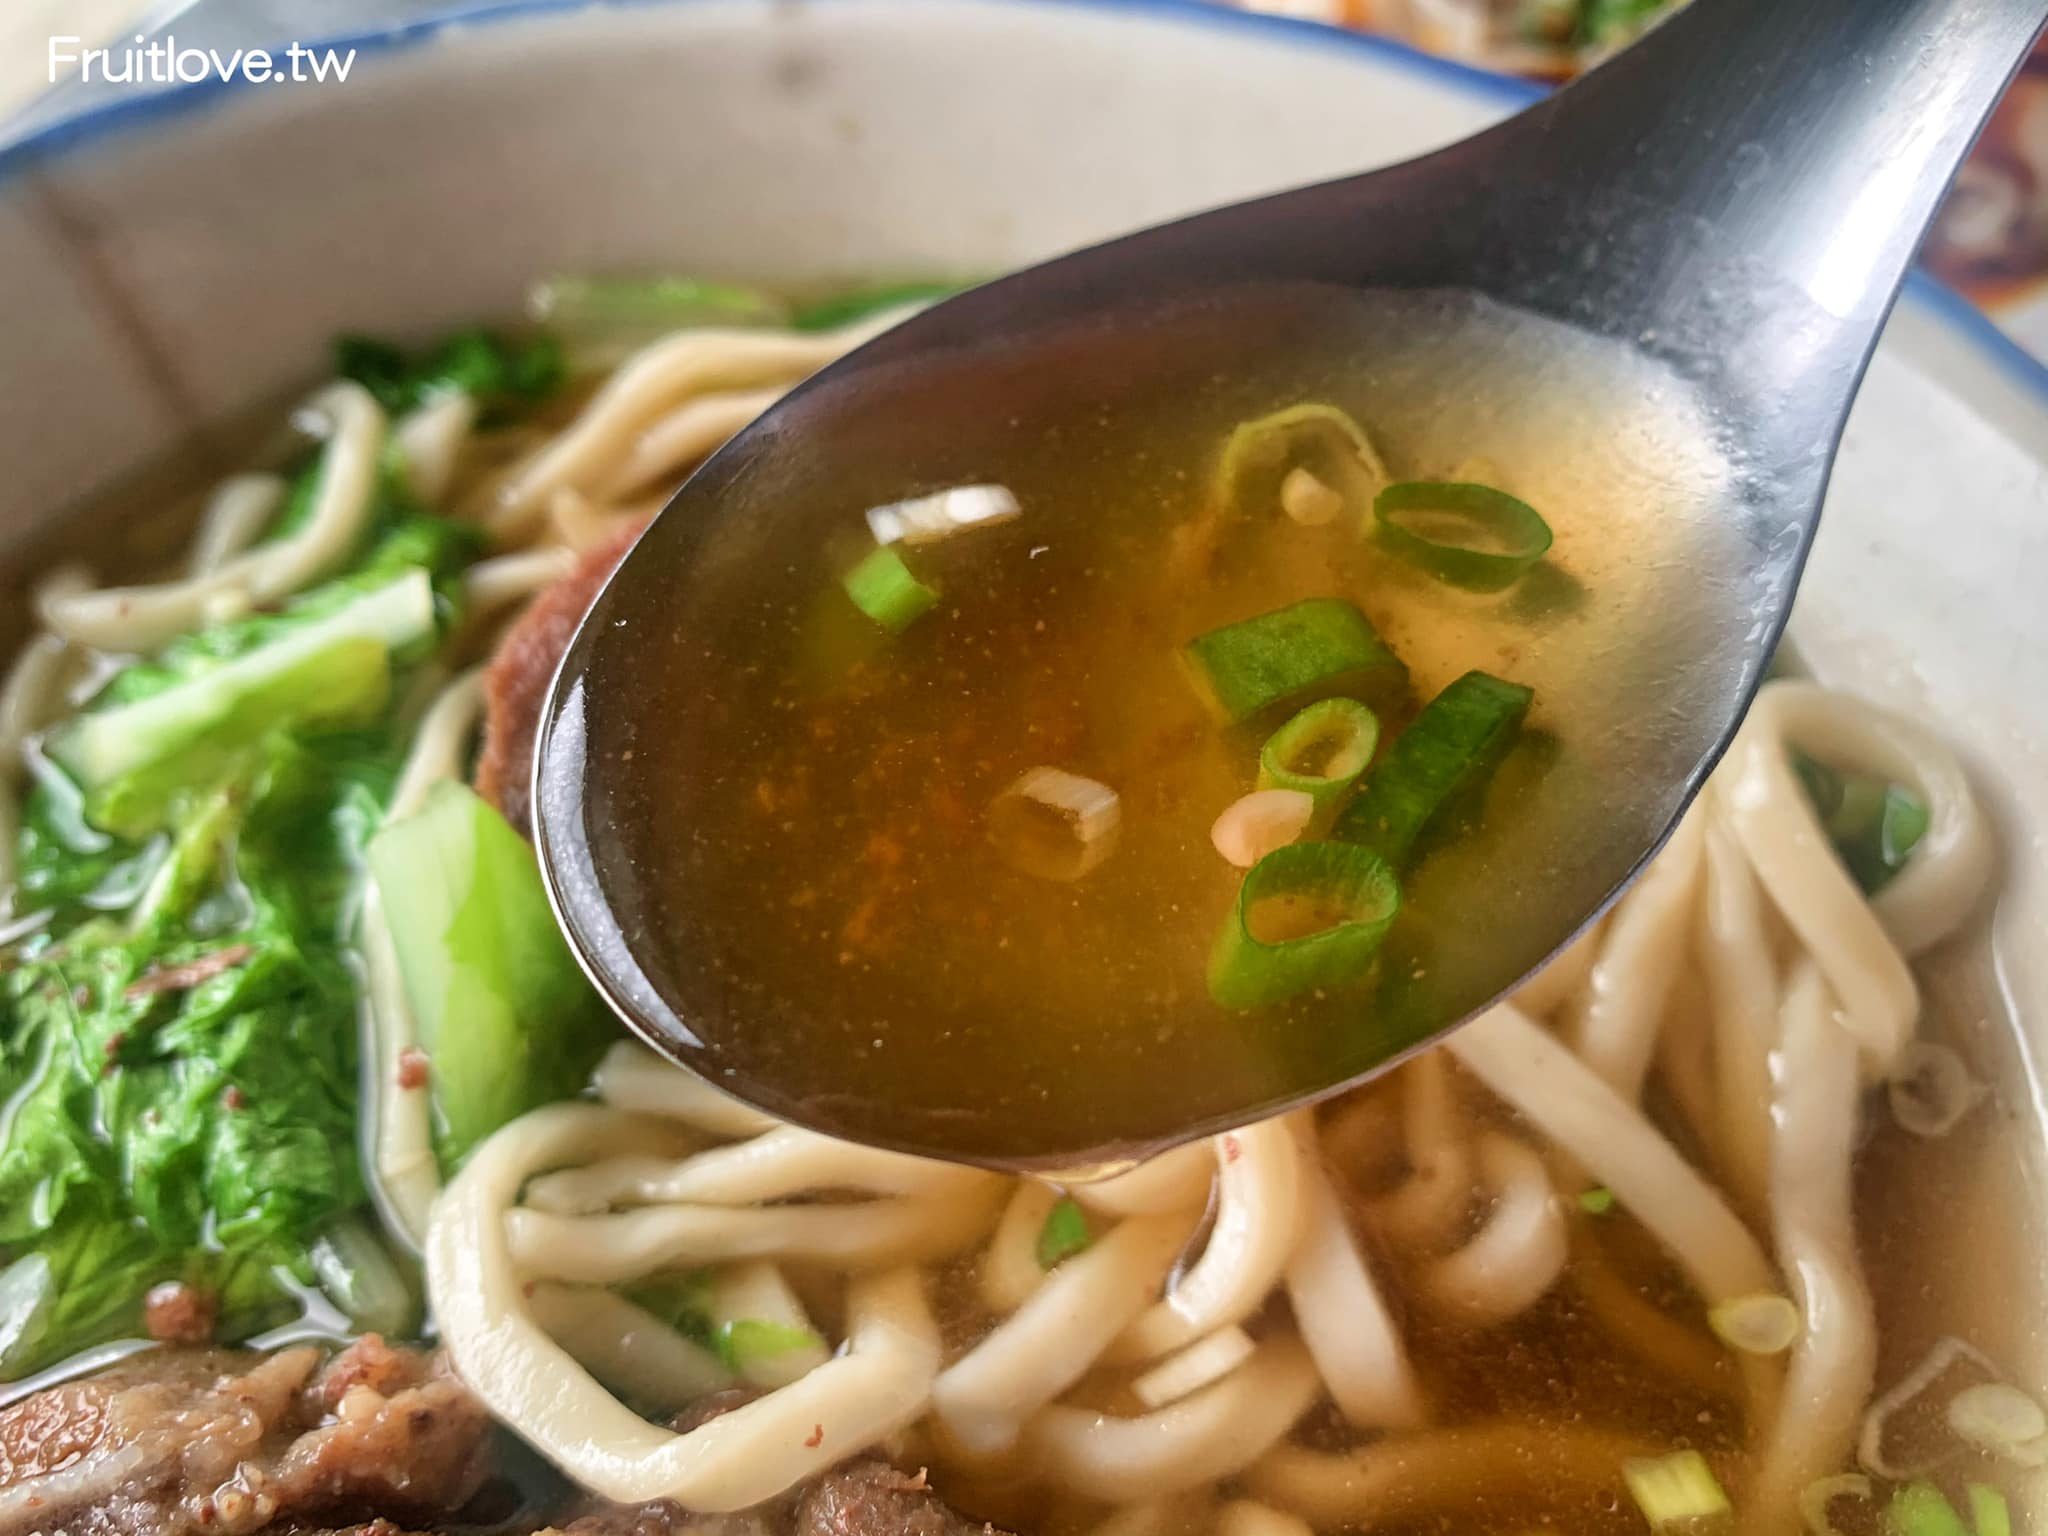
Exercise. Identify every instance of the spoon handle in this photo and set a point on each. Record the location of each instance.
(1807, 144)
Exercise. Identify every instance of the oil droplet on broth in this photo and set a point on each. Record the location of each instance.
(813, 884)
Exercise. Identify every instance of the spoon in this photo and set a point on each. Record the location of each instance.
(1730, 205)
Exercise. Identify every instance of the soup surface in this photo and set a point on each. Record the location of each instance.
(797, 815)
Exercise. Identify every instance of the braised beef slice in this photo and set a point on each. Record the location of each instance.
(516, 682)
(219, 1443)
(872, 1498)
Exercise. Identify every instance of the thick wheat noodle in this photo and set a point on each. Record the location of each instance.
(691, 432)
(1833, 1362)
(1404, 1480)
(440, 743)
(1350, 1332)
(396, 1122)
(1009, 1270)
(652, 381)
(1202, 1439)
(881, 1382)
(1258, 1210)
(1685, 1059)
(1056, 1336)
(430, 440)
(1172, 1181)
(601, 1250)
(503, 579)
(1429, 1206)
(236, 513)
(1517, 1255)
(28, 698)
(626, 1347)
(773, 1166)
(1248, 1517)
(1542, 994)
(581, 524)
(1585, 1118)
(142, 618)
(1860, 946)
(632, 1077)
(1742, 984)
(1615, 1031)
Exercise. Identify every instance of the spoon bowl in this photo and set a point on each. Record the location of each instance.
(1696, 226)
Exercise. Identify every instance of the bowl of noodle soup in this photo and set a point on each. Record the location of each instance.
(1725, 1220)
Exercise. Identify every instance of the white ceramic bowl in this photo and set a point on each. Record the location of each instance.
(172, 260)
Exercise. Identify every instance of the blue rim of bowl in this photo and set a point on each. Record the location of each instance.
(111, 118)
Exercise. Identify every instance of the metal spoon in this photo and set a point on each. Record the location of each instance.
(1735, 199)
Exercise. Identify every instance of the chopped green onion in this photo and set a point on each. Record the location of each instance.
(1874, 826)
(1816, 1497)
(1064, 1234)
(1310, 461)
(1451, 747)
(1999, 1419)
(1921, 1509)
(1471, 536)
(1321, 751)
(1054, 824)
(1675, 1489)
(745, 1342)
(1989, 1514)
(1308, 916)
(603, 318)
(1597, 1201)
(862, 303)
(1757, 1325)
(882, 587)
(1318, 647)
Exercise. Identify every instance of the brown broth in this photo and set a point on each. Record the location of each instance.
(788, 806)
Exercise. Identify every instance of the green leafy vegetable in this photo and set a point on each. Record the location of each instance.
(506, 1019)
(1444, 755)
(1064, 1234)
(1308, 916)
(1874, 826)
(1597, 1201)
(605, 317)
(498, 371)
(182, 1080)
(862, 303)
(1307, 650)
(134, 761)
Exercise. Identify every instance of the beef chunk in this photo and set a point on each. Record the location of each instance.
(185, 1442)
(516, 682)
(872, 1498)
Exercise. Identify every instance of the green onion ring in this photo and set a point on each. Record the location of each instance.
(1312, 437)
(1487, 541)
(1344, 730)
(1246, 971)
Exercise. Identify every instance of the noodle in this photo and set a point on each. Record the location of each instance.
(1232, 1285)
